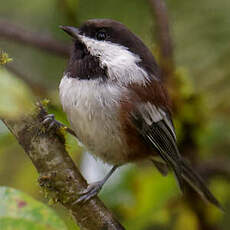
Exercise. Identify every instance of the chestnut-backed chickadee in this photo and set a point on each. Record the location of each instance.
(117, 105)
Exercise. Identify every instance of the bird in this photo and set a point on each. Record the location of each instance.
(117, 105)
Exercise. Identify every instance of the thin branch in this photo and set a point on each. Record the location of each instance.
(219, 166)
(59, 176)
(160, 13)
(11, 31)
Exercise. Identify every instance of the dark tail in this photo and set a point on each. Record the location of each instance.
(194, 180)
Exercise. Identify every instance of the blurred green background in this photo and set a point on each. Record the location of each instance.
(141, 198)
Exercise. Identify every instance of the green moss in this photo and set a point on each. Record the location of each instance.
(4, 58)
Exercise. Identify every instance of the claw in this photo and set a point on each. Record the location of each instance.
(88, 193)
(51, 122)
(94, 188)
(91, 187)
(48, 118)
(51, 125)
(84, 199)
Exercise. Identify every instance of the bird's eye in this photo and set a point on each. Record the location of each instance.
(101, 35)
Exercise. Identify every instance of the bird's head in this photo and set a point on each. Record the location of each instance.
(104, 48)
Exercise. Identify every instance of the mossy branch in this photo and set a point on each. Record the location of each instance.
(59, 176)
(4, 58)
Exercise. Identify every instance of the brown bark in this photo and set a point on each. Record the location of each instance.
(160, 13)
(59, 176)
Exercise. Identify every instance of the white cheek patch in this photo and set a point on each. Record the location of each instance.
(122, 65)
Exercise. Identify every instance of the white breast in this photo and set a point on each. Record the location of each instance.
(92, 109)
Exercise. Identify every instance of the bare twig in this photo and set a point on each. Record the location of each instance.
(188, 145)
(160, 13)
(58, 174)
(17, 33)
(218, 166)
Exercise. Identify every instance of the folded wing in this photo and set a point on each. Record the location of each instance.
(156, 128)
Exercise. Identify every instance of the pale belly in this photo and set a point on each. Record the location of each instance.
(93, 112)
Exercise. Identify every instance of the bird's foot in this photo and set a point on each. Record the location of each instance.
(88, 193)
(50, 121)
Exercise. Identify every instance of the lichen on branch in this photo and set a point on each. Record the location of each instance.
(4, 58)
(58, 175)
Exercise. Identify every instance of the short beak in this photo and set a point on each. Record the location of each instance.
(72, 31)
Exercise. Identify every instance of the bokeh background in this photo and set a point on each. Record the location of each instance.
(139, 196)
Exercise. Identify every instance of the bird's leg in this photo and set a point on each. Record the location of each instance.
(94, 188)
(52, 122)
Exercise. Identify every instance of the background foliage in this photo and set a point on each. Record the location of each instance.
(141, 198)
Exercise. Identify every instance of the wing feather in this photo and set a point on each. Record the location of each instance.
(155, 126)
(157, 131)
